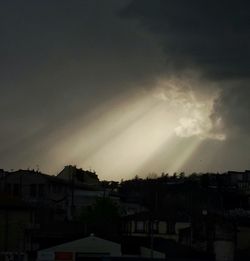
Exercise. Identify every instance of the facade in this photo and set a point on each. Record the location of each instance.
(142, 224)
(47, 194)
(16, 224)
(230, 179)
(128, 208)
(82, 249)
(94, 248)
(54, 197)
(55, 204)
(73, 174)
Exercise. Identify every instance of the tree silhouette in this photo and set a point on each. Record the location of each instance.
(103, 218)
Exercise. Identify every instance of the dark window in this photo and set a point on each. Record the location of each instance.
(139, 226)
(51, 214)
(127, 227)
(155, 227)
(17, 257)
(170, 227)
(56, 188)
(2, 257)
(8, 188)
(59, 188)
(41, 190)
(16, 189)
(33, 190)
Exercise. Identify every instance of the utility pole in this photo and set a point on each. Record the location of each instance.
(152, 226)
(72, 194)
(152, 240)
(6, 230)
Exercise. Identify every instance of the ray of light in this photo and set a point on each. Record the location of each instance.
(114, 131)
(185, 152)
(170, 156)
(122, 138)
(134, 145)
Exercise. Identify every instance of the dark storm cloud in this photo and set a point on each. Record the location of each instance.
(212, 37)
(62, 41)
(233, 107)
(59, 61)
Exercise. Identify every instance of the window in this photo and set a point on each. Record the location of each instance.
(56, 188)
(33, 190)
(139, 226)
(41, 190)
(8, 188)
(126, 227)
(155, 227)
(170, 227)
(16, 189)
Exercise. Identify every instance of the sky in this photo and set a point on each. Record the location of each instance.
(125, 88)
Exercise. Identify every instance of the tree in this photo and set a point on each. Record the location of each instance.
(152, 175)
(103, 218)
(182, 175)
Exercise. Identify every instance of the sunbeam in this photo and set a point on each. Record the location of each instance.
(122, 137)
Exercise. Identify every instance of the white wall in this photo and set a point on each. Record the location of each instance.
(224, 250)
(90, 244)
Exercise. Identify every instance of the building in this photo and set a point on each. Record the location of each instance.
(145, 225)
(93, 248)
(55, 202)
(16, 227)
(49, 195)
(73, 174)
(55, 197)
